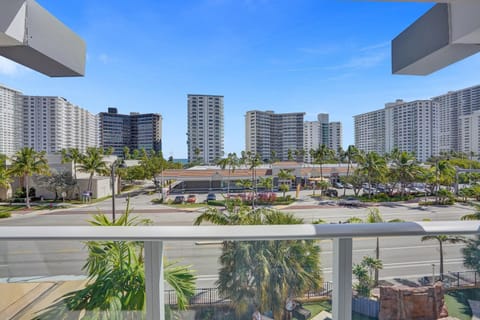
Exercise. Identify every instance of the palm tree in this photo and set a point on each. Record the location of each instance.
(405, 168)
(350, 154)
(472, 216)
(231, 161)
(27, 162)
(443, 238)
(373, 265)
(373, 166)
(72, 155)
(266, 182)
(321, 155)
(264, 273)
(126, 152)
(4, 173)
(373, 216)
(92, 162)
(116, 287)
(285, 175)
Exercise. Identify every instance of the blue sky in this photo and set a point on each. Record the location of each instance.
(313, 56)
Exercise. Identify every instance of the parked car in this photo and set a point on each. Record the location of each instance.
(338, 185)
(191, 198)
(348, 186)
(211, 197)
(350, 202)
(179, 199)
(331, 193)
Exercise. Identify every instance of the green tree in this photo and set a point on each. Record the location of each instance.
(72, 155)
(350, 155)
(373, 166)
(471, 254)
(232, 162)
(5, 178)
(58, 182)
(264, 273)
(126, 153)
(373, 216)
(285, 177)
(266, 182)
(473, 216)
(116, 287)
(27, 162)
(321, 156)
(92, 162)
(405, 168)
(443, 238)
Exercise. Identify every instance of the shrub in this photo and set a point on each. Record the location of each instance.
(5, 214)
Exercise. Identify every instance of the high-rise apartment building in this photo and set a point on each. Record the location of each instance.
(321, 132)
(370, 131)
(335, 135)
(274, 136)
(10, 121)
(135, 131)
(52, 123)
(469, 133)
(453, 107)
(205, 135)
(408, 126)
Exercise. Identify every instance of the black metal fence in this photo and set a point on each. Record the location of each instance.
(205, 296)
(464, 279)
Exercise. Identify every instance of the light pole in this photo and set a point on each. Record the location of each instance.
(120, 165)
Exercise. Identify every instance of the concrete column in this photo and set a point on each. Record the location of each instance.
(154, 280)
(342, 279)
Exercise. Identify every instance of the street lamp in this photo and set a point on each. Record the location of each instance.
(118, 164)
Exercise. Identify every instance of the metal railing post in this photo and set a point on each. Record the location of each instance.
(342, 279)
(154, 286)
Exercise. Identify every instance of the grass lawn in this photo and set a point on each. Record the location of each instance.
(317, 307)
(6, 211)
(457, 302)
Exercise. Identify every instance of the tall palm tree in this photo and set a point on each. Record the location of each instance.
(264, 273)
(116, 287)
(92, 162)
(373, 166)
(405, 168)
(27, 162)
(232, 162)
(443, 238)
(266, 182)
(72, 155)
(321, 155)
(373, 216)
(285, 175)
(350, 154)
(4, 173)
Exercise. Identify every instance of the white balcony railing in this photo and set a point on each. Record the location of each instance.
(153, 237)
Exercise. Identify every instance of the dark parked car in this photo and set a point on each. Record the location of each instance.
(331, 193)
(211, 197)
(179, 199)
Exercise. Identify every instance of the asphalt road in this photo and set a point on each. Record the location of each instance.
(403, 257)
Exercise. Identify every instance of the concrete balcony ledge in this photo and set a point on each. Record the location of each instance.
(31, 36)
(251, 233)
(447, 33)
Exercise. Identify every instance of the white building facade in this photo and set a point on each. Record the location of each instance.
(370, 131)
(52, 123)
(205, 128)
(454, 106)
(274, 136)
(10, 121)
(321, 132)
